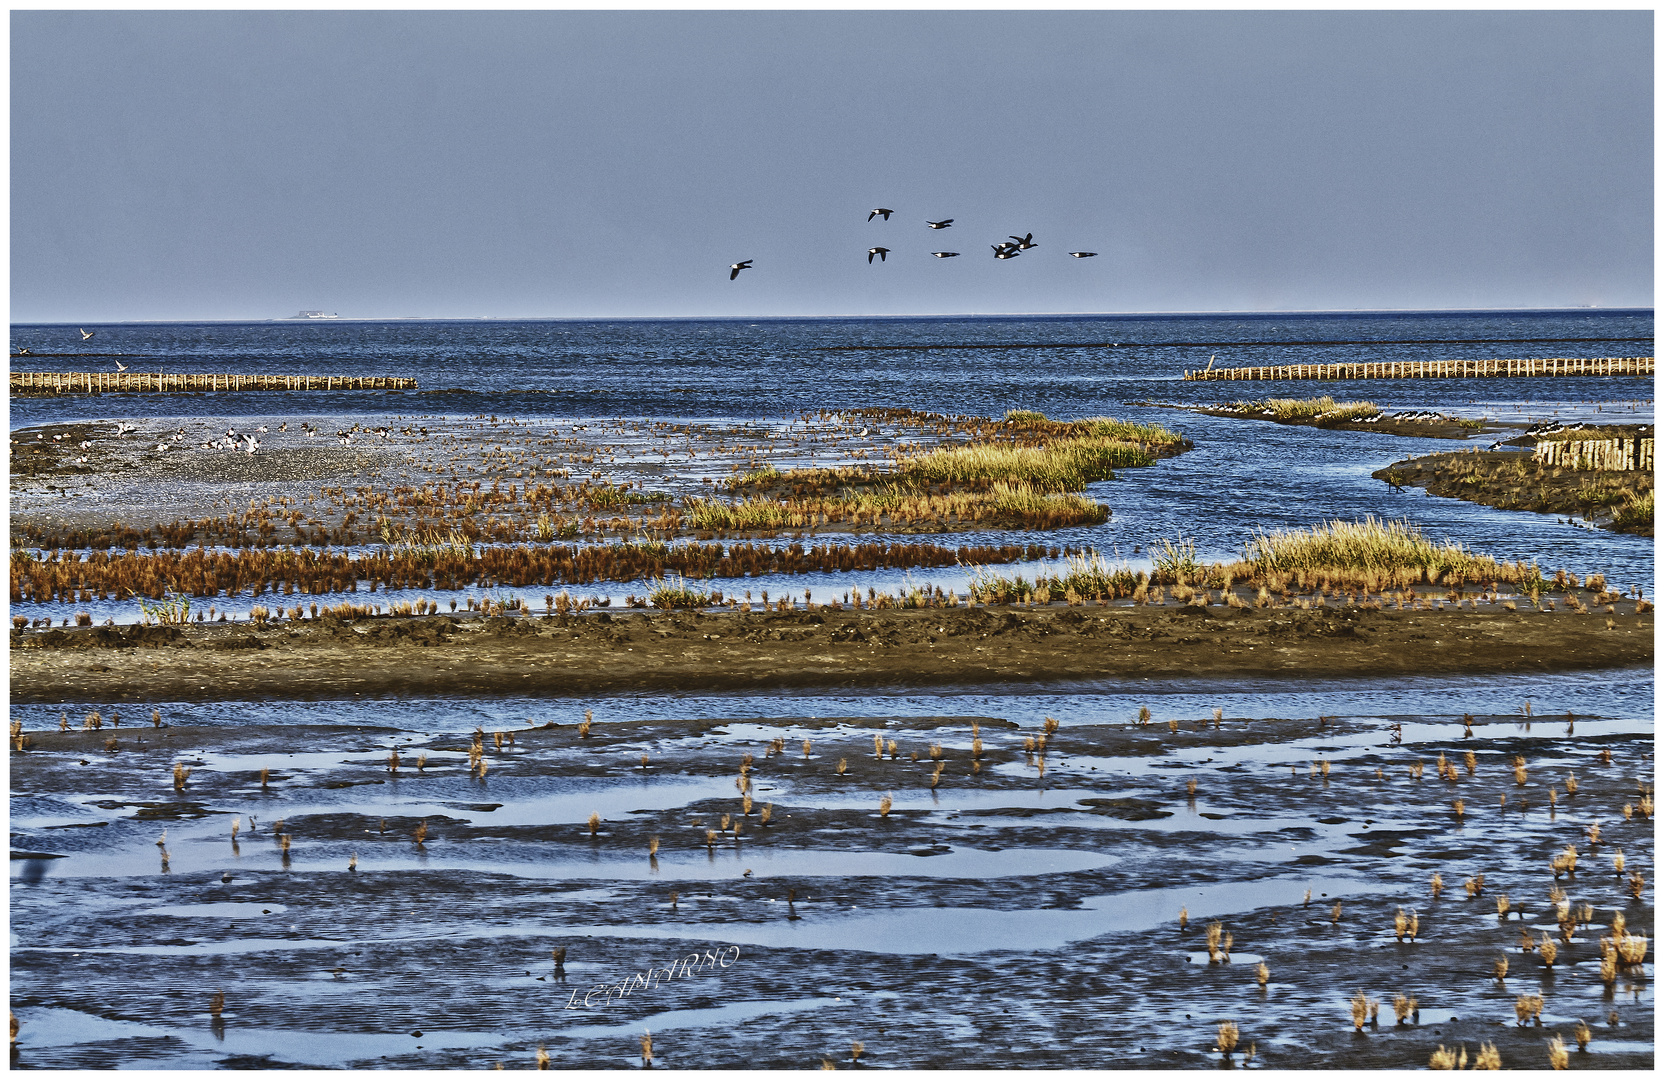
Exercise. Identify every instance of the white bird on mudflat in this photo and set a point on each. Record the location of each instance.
(261, 429)
(123, 428)
(251, 444)
(162, 447)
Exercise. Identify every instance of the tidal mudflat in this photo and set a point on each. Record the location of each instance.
(387, 883)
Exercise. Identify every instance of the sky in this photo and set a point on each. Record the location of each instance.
(248, 165)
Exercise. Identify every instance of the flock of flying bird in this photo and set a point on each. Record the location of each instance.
(1010, 249)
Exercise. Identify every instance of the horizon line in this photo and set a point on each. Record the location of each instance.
(1198, 312)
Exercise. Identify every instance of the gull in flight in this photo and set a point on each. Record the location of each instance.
(735, 268)
(86, 335)
(880, 212)
(881, 252)
(945, 254)
(120, 366)
(1084, 254)
(945, 223)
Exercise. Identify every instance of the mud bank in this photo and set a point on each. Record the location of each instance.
(571, 654)
(1510, 480)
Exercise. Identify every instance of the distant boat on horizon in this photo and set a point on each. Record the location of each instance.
(316, 315)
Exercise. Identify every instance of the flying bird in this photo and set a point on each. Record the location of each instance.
(85, 334)
(1084, 254)
(1005, 251)
(945, 223)
(734, 269)
(1025, 242)
(945, 254)
(880, 212)
(120, 366)
(881, 252)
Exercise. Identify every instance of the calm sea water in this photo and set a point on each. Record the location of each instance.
(1242, 476)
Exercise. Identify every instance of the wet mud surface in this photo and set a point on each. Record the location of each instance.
(1023, 911)
(440, 654)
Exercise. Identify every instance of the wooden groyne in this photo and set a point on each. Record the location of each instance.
(1614, 455)
(156, 382)
(1433, 369)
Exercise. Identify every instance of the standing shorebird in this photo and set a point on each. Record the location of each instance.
(735, 268)
(879, 251)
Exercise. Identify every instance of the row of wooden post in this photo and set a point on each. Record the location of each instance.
(1433, 369)
(1633, 454)
(156, 382)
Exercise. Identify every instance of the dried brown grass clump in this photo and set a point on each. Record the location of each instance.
(878, 747)
(1334, 914)
(768, 812)
(216, 1004)
(1364, 1008)
(1400, 924)
(1527, 1007)
(1403, 1007)
(1215, 930)
(1184, 918)
(1262, 974)
(1470, 762)
(1571, 784)
(1459, 807)
(583, 727)
(1565, 862)
(1582, 1034)
(652, 846)
(594, 824)
(843, 766)
(421, 832)
(542, 1059)
(855, 1050)
(1228, 1036)
(647, 1048)
(1557, 1056)
(1437, 885)
(1548, 950)
(1475, 885)
(1442, 1059)
(1488, 1058)
(1499, 970)
(884, 805)
(805, 749)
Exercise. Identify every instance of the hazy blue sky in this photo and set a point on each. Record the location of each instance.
(247, 165)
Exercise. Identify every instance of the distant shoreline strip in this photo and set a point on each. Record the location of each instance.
(1228, 344)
